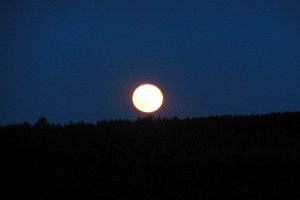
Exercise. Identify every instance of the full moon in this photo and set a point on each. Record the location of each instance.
(147, 98)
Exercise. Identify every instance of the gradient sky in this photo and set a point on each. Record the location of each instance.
(81, 60)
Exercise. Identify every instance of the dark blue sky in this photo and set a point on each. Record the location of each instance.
(80, 60)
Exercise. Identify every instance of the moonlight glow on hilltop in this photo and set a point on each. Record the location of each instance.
(147, 98)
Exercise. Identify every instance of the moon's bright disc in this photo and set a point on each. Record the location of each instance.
(147, 98)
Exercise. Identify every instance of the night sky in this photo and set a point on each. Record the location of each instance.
(81, 60)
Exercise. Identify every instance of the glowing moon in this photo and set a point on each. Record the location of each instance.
(147, 98)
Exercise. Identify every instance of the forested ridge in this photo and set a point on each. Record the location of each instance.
(246, 157)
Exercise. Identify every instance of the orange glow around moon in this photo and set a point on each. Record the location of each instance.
(147, 98)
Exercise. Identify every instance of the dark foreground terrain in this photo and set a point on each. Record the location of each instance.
(226, 157)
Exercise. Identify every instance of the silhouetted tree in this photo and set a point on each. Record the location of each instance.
(42, 122)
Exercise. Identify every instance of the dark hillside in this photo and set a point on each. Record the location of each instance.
(242, 157)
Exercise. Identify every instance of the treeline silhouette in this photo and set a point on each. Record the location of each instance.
(247, 157)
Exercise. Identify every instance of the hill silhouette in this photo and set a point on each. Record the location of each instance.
(246, 157)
